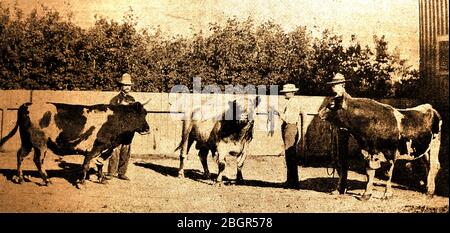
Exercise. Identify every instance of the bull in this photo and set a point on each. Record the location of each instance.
(228, 133)
(67, 129)
(386, 134)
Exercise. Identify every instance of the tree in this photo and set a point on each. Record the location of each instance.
(48, 51)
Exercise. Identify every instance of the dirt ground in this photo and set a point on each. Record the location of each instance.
(154, 187)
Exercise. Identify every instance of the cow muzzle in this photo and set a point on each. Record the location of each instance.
(145, 131)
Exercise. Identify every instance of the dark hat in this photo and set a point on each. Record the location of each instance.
(338, 78)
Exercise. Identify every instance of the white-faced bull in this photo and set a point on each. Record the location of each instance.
(228, 134)
(386, 134)
(74, 129)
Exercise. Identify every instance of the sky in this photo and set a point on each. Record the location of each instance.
(398, 20)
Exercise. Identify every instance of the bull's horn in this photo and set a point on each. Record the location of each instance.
(147, 101)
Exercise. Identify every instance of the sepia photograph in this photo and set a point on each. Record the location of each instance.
(224, 106)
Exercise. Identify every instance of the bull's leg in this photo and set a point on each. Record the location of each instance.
(85, 167)
(240, 165)
(39, 156)
(434, 165)
(181, 169)
(100, 175)
(416, 165)
(99, 162)
(21, 154)
(186, 142)
(183, 156)
(221, 166)
(219, 179)
(203, 154)
(388, 190)
(370, 178)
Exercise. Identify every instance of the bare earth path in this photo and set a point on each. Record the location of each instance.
(154, 187)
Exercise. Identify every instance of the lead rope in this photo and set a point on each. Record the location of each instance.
(333, 154)
(428, 150)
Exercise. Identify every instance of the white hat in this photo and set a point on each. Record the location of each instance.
(338, 78)
(126, 79)
(289, 88)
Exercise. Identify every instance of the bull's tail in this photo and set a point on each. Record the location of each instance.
(437, 122)
(184, 136)
(435, 146)
(21, 110)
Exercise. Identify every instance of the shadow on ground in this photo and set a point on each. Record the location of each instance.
(193, 174)
(68, 171)
(409, 177)
(325, 185)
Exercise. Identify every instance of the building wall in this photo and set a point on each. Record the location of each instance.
(433, 24)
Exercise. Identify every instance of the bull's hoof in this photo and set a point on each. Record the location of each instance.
(103, 181)
(17, 179)
(218, 183)
(81, 184)
(181, 175)
(430, 195)
(207, 176)
(365, 197)
(47, 182)
(335, 192)
(387, 196)
(342, 189)
(27, 178)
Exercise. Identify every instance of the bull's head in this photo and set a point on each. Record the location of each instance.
(332, 108)
(243, 109)
(139, 120)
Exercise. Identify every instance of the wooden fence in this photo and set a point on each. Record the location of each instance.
(165, 122)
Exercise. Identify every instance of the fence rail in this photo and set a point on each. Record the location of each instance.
(166, 129)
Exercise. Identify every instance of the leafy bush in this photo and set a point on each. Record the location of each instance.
(47, 51)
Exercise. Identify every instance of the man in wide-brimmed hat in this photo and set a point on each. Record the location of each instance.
(338, 84)
(290, 115)
(342, 135)
(118, 162)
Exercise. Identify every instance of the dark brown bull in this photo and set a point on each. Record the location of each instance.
(227, 133)
(386, 134)
(74, 129)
